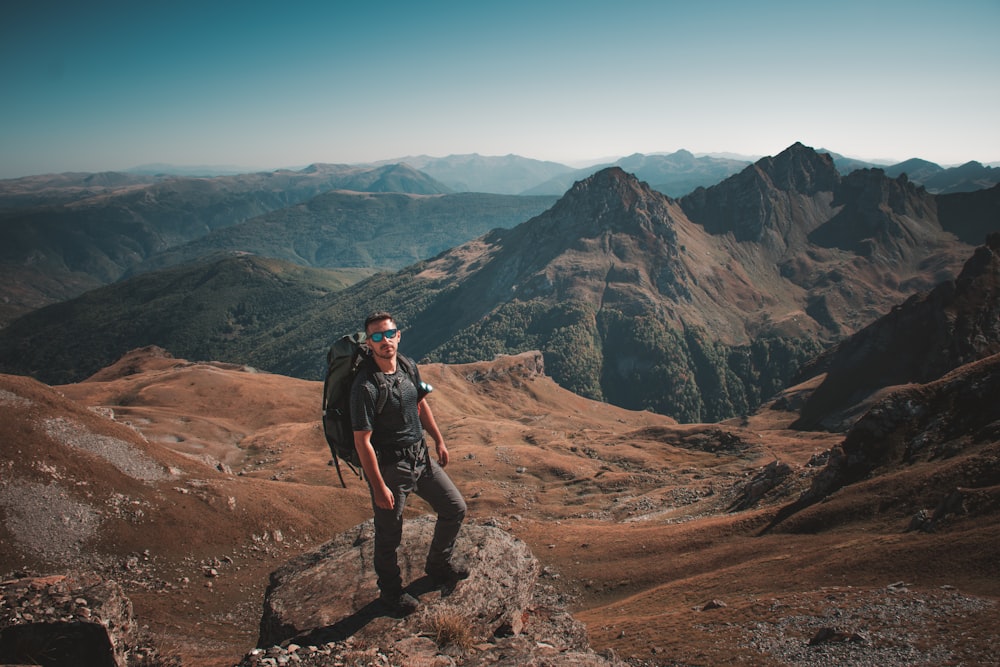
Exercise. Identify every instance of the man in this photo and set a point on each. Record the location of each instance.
(393, 453)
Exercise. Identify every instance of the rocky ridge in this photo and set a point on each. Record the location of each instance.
(958, 322)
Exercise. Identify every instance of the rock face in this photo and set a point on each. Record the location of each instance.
(59, 620)
(325, 603)
(919, 341)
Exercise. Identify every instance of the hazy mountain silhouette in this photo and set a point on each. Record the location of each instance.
(675, 174)
(507, 174)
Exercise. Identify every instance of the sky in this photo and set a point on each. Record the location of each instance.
(111, 85)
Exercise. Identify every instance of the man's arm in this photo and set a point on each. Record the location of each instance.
(427, 421)
(369, 463)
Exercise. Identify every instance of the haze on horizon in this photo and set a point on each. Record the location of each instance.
(114, 85)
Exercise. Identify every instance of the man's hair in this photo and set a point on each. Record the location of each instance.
(378, 316)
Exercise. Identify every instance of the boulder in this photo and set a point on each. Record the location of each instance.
(82, 620)
(323, 605)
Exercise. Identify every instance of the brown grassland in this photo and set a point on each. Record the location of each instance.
(635, 513)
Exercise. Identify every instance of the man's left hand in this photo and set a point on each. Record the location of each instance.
(442, 453)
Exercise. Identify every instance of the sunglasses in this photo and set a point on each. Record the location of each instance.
(379, 335)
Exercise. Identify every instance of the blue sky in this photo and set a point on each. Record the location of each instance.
(92, 86)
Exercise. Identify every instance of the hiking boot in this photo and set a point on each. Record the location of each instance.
(403, 604)
(448, 573)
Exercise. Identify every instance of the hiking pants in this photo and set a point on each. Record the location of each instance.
(428, 480)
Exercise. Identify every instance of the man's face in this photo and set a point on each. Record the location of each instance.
(385, 347)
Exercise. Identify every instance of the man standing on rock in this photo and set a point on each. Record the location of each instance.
(390, 443)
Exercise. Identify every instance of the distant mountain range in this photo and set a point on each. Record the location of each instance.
(61, 235)
(674, 174)
(699, 307)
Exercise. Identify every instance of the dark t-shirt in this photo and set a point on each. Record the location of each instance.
(398, 425)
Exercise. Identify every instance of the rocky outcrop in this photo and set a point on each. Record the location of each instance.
(519, 367)
(880, 218)
(323, 607)
(61, 620)
(955, 415)
(762, 203)
(919, 341)
(971, 216)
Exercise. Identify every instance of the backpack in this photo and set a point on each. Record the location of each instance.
(345, 358)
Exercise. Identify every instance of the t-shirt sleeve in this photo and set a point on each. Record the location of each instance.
(362, 404)
(421, 387)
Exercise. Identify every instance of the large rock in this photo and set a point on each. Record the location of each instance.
(82, 621)
(324, 605)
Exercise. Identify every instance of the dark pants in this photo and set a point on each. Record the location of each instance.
(429, 481)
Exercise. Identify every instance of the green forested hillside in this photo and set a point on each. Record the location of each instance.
(217, 310)
(372, 230)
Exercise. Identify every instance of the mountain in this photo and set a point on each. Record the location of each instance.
(968, 177)
(216, 309)
(390, 178)
(675, 174)
(971, 216)
(958, 321)
(196, 171)
(342, 229)
(59, 189)
(62, 235)
(915, 169)
(846, 165)
(507, 174)
(699, 308)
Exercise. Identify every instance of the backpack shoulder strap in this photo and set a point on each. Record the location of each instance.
(407, 365)
(383, 391)
(410, 367)
(383, 384)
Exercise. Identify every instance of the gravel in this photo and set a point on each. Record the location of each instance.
(119, 453)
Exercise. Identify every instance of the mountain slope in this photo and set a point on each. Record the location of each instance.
(633, 303)
(189, 483)
(84, 230)
(971, 216)
(770, 201)
(217, 309)
(700, 308)
(351, 229)
(958, 323)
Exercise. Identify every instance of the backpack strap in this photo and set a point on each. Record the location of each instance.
(383, 391)
(383, 383)
(411, 371)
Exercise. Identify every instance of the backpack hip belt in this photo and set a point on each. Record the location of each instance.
(412, 452)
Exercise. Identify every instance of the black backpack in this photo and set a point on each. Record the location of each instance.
(345, 358)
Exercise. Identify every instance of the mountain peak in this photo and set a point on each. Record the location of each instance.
(613, 200)
(757, 204)
(611, 183)
(799, 168)
(610, 177)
